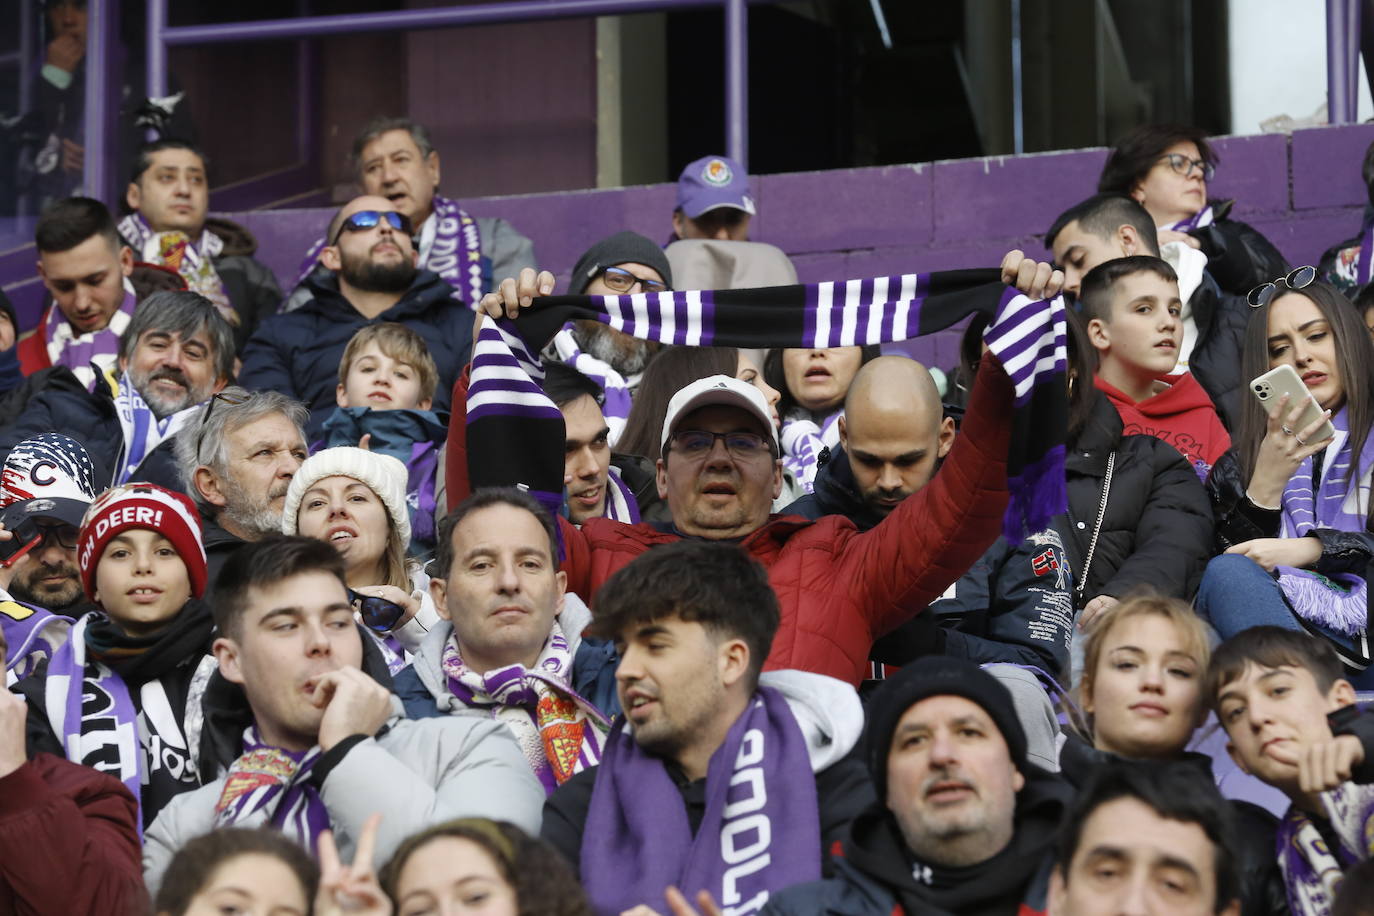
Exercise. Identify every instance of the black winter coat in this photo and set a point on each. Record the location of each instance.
(65, 406)
(1238, 254)
(1221, 319)
(298, 353)
(1015, 605)
(1262, 891)
(1157, 530)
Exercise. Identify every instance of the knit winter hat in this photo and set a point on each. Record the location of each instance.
(383, 475)
(142, 505)
(621, 248)
(933, 676)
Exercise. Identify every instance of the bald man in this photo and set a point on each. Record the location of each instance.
(370, 275)
(1015, 604)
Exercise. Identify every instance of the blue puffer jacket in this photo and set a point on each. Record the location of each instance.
(422, 685)
(298, 353)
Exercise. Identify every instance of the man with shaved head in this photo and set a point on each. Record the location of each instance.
(1014, 605)
(371, 276)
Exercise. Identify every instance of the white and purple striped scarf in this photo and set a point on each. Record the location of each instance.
(143, 431)
(79, 351)
(803, 440)
(192, 259)
(450, 245)
(272, 785)
(615, 406)
(1339, 501)
(559, 732)
(1312, 873)
(1199, 220)
(515, 433)
(621, 505)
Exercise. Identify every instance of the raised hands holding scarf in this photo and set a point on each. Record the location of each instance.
(519, 431)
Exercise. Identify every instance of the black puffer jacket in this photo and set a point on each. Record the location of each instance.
(250, 284)
(1238, 254)
(1262, 892)
(1157, 530)
(1215, 362)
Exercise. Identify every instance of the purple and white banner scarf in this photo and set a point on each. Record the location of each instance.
(143, 431)
(615, 406)
(559, 732)
(1339, 502)
(33, 635)
(1199, 220)
(192, 259)
(515, 433)
(450, 245)
(90, 711)
(1311, 872)
(621, 505)
(803, 439)
(79, 351)
(272, 784)
(760, 832)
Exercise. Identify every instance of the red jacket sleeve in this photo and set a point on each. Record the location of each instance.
(456, 483)
(32, 352)
(69, 841)
(933, 536)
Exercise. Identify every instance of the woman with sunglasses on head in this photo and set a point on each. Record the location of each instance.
(356, 500)
(1166, 169)
(123, 694)
(1141, 698)
(1292, 505)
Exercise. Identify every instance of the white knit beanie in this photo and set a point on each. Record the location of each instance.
(383, 475)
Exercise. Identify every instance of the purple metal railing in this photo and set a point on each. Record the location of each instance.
(1342, 60)
(161, 36)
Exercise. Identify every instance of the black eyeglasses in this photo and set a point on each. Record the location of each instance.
(378, 614)
(1263, 294)
(697, 443)
(233, 400)
(1184, 165)
(64, 534)
(366, 219)
(621, 281)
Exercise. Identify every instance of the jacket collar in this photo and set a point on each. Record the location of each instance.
(426, 290)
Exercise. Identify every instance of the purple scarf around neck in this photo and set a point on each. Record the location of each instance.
(1198, 220)
(760, 832)
(274, 783)
(1338, 501)
(78, 351)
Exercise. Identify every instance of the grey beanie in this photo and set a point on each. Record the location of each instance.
(621, 248)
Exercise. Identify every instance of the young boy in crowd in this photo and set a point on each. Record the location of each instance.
(123, 694)
(1134, 317)
(1291, 721)
(387, 380)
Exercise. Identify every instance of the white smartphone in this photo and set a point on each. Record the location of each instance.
(1275, 383)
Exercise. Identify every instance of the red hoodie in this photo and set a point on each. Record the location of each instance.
(1182, 415)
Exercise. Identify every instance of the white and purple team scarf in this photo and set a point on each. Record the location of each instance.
(621, 505)
(515, 433)
(803, 440)
(450, 245)
(760, 832)
(33, 635)
(192, 259)
(1198, 220)
(1338, 501)
(615, 405)
(271, 785)
(1312, 873)
(143, 431)
(89, 354)
(1364, 260)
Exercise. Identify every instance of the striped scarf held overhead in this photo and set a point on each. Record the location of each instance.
(515, 433)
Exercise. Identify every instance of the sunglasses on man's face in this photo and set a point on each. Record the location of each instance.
(368, 219)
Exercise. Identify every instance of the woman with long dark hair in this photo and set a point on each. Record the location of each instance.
(1293, 509)
(1166, 169)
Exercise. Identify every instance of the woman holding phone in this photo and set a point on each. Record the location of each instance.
(1292, 503)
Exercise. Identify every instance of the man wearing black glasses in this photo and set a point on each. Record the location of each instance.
(372, 277)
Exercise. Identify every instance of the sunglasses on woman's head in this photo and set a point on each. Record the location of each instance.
(1263, 294)
(367, 219)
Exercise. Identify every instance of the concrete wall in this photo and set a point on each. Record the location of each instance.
(1304, 192)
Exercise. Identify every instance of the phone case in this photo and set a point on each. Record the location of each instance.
(1274, 384)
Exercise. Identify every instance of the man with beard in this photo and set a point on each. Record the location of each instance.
(176, 352)
(51, 480)
(238, 464)
(371, 259)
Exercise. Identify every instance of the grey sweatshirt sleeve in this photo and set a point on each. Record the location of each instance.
(508, 250)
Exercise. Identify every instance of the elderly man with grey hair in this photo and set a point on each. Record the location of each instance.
(175, 354)
(238, 459)
(395, 159)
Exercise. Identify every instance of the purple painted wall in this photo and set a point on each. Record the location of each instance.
(1304, 192)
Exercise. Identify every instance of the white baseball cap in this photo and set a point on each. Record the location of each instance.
(718, 390)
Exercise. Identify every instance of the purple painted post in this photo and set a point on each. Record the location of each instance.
(737, 81)
(102, 97)
(26, 52)
(1342, 56)
(157, 49)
